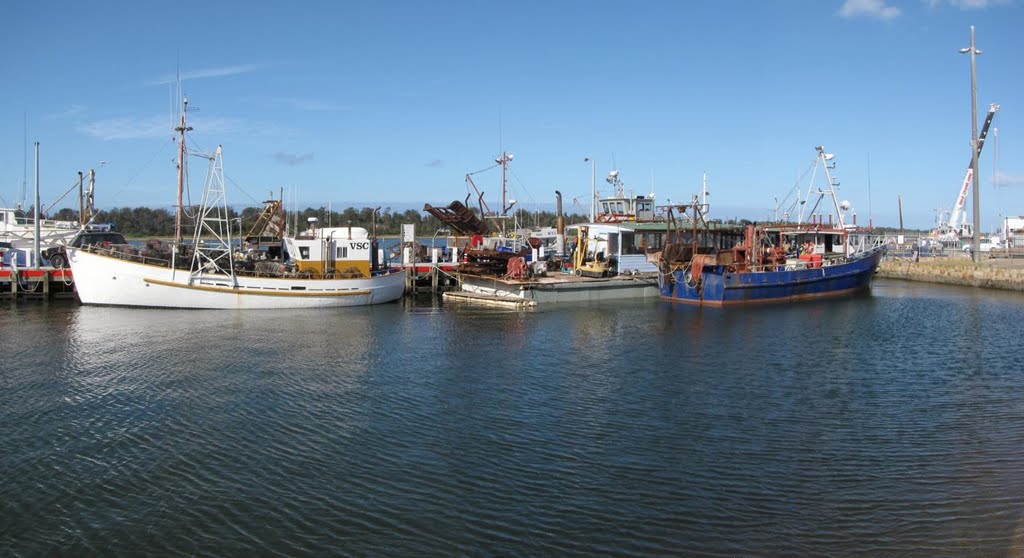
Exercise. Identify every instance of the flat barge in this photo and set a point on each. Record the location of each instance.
(559, 288)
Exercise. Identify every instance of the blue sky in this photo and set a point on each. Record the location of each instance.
(392, 103)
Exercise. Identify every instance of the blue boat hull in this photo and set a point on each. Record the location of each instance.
(717, 287)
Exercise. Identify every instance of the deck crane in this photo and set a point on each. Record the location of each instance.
(950, 231)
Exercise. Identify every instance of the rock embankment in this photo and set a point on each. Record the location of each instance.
(991, 274)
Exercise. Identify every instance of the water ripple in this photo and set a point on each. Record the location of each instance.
(874, 426)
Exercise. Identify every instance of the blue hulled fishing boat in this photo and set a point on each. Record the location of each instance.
(711, 264)
(757, 272)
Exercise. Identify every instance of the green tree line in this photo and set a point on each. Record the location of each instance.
(145, 222)
(140, 222)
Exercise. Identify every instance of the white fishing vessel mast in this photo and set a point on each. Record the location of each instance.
(505, 203)
(498, 219)
(181, 129)
(213, 257)
(827, 163)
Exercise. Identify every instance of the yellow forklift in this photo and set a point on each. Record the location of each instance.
(583, 267)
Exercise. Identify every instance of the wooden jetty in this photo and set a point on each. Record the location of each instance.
(38, 283)
(430, 272)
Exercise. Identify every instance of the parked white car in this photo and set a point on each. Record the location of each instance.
(986, 245)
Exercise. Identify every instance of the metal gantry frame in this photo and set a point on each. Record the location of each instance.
(213, 257)
(822, 159)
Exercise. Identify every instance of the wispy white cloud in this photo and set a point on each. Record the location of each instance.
(206, 73)
(72, 112)
(221, 126)
(1003, 180)
(870, 9)
(292, 159)
(127, 128)
(968, 4)
(435, 164)
(311, 105)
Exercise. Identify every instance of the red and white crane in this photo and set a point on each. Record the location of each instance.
(952, 231)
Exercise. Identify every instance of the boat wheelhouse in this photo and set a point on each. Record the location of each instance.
(623, 208)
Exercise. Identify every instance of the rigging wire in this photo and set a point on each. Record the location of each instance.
(196, 150)
(186, 180)
(62, 196)
(240, 189)
(24, 161)
(525, 191)
(139, 172)
(484, 170)
(796, 188)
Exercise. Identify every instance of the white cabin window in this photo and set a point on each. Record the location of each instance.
(303, 252)
(341, 253)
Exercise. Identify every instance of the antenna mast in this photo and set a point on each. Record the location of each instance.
(870, 224)
(181, 129)
(704, 196)
(24, 164)
(503, 161)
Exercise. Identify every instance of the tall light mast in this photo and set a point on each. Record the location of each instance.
(975, 148)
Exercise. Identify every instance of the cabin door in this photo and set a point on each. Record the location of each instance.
(613, 245)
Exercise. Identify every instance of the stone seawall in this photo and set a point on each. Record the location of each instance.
(1008, 275)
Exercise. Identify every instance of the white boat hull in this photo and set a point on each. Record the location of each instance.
(559, 289)
(107, 280)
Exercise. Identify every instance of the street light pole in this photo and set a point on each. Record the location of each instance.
(593, 188)
(975, 239)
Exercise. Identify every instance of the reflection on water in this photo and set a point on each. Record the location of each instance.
(883, 425)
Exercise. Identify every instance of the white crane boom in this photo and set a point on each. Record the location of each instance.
(951, 226)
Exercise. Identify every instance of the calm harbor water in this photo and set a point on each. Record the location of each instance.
(891, 424)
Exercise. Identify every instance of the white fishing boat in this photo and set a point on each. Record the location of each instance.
(17, 233)
(19, 230)
(329, 267)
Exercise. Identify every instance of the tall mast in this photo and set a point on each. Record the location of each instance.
(24, 170)
(503, 161)
(704, 194)
(181, 129)
(81, 198)
(37, 260)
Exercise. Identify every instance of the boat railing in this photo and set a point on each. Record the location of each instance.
(126, 252)
(793, 264)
